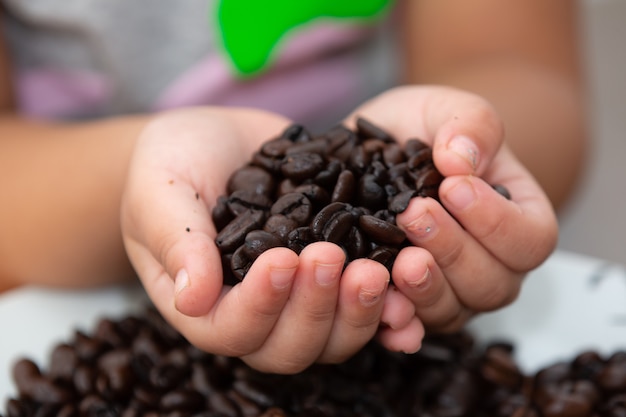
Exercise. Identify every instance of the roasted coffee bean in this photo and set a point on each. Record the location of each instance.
(233, 235)
(315, 146)
(381, 231)
(428, 182)
(356, 244)
(400, 201)
(367, 129)
(344, 188)
(299, 238)
(385, 255)
(258, 241)
(269, 164)
(242, 200)
(370, 193)
(295, 206)
(296, 133)
(251, 178)
(240, 264)
(181, 399)
(276, 148)
(500, 368)
(325, 216)
(280, 226)
(300, 166)
(317, 195)
(612, 378)
(221, 214)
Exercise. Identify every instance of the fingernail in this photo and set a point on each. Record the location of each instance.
(371, 296)
(421, 282)
(423, 226)
(466, 149)
(281, 277)
(181, 281)
(462, 195)
(327, 274)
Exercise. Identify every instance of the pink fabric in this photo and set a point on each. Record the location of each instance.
(297, 85)
(56, 93)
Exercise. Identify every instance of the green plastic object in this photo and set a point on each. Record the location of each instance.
(252, 29)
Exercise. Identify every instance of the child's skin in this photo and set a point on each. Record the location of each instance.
(63, 185)
(291, 311)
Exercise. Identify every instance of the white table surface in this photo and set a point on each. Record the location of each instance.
(569, 304)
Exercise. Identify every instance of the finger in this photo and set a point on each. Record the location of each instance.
(420, 280)
(464, 129)
(407, 339)
(244, 315)
(480, 281)
(361, 302)
(182, 246)
(520, 233)
(304, 326)
(398, 310)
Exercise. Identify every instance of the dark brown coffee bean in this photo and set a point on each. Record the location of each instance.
(296, 133)
(325, 215)
(356, 244)
(318, 196)
(427, 183)
(280, 226)
(242, 200)
(500, 368)
(370, 193)
(233, 235)
(381, 231)
(258, 241)
(253, 179)
(301, 166)
(399, 202)
(223, 405)
(318, 146)
(367, 129)
(385, 255)
(269, 164)
(393, 155)
(299, 238)
(84, 379)
(240, 264)
(181, 400)
(359, 160)
(276, 148)
(413, 146)
(343, 192)
(612, 377)
(295, 206)
(221, 214)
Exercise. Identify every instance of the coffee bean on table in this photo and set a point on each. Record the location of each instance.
(451, 375)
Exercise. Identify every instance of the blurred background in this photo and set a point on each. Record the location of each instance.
(595, 221)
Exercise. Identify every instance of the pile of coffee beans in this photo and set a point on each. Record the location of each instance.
(140, 366)
(342, 186)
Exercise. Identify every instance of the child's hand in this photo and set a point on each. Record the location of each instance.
(290, 311)
(471, 253)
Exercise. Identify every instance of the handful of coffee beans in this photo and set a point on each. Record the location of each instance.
(342, 186)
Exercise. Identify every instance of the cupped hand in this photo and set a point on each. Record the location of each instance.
(290, 311)
(471, 251)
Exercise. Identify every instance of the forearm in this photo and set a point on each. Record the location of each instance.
(62, 185)
(543, 113)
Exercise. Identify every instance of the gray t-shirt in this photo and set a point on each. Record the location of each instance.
(77, 59)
